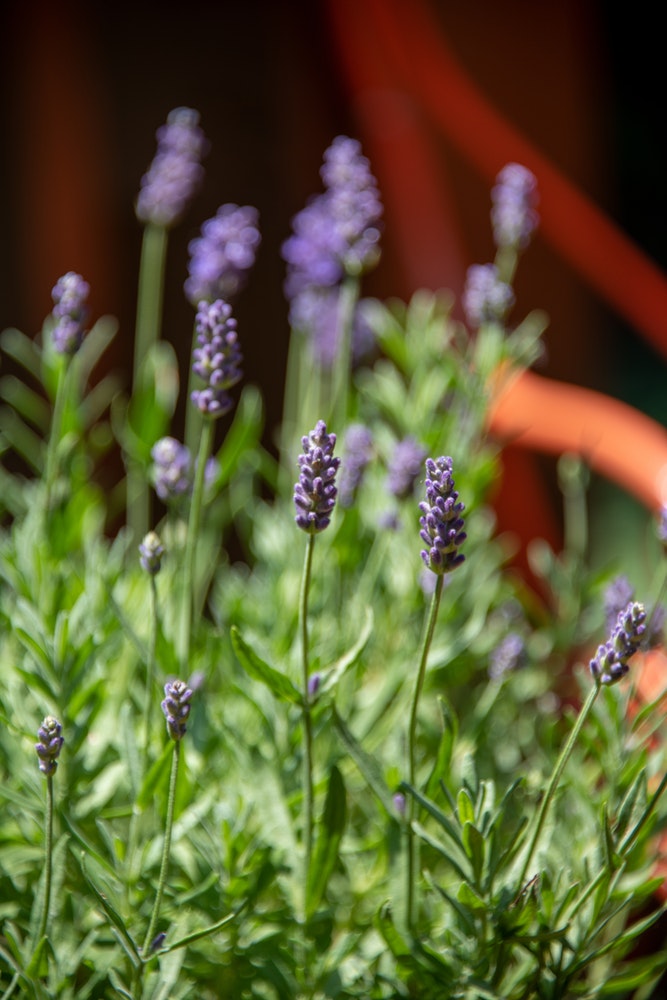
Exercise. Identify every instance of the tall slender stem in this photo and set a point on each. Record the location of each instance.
(412, 747)
(347, 300)
(307, 718)
(150, 666)
(62, 391)
(148, 327)
(48, 852)
(559, 767)
(166, 849)
(194, 522)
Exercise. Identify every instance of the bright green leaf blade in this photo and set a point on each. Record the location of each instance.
(280, 685)
(328, 841)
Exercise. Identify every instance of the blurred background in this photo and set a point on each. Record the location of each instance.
(85, 86)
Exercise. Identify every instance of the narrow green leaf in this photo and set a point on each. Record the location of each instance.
(332, 675)
(466, 810)
(368, 765)
(280, 685)
(205, 931)
(329, 836)
(29, 404)
(468, 897)
(111, 912)
(23, 350)
(437, 814)
(443, 759)
(473, 843)
(157, 772)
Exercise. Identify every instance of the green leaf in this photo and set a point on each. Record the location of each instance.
(333, 674)
(280, 685)
(445, 748)
(466, 810)
(329, 836)
(468, 897)
(473, 843)
(368, 765)
(111, 912)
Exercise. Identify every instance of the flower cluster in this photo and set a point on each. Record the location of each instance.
(173, 473)
(486, 299)
(441, 521)
(151, 551)
(315, 492)
(176, 173)
(513, 214)
(336, 234)
(610, 663)
(70, 312)
(217, 359)
(509, 654)
(358, 453)
(222, 255)
(405, 465)
(50, 744)
(176, 708)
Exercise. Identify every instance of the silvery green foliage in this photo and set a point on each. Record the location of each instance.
(78, 623)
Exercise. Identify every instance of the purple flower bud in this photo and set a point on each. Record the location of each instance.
(70, 312)
(358, 452)
(513, 214)
(151, 551)
(486, 299)
(176, 708)
(441, 521)
(610, 663)
(176, 173)
(157, 943)
(314, 682)
(217, 358)
(400, 804)
(509, 654)
(172, 469)
(222, 256)
(49, 746)
(315, 492)
(405, 465)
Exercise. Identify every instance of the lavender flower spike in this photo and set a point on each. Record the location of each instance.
(404, 467)
(441, 521)
(70, 312)
(49, 746)
(513, 214)
(486, 299)
(176, 172)
(222, 256)
(176, 708)
(217, 359)
(315, 492)
(610, 663)
(151, 551)
(358, 454)
(172, 473)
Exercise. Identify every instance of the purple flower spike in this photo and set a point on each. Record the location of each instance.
(176, 708)
(217, 359)
(151, 551)
(486, 299)
(49, 746)
(172, 468)
(315, 492)
(70, 312)
(509, 654)
(358, 453)
(405, 466)
(222, 256)
(513, 214)
(441, 521)
(610, 663)
(176, 173)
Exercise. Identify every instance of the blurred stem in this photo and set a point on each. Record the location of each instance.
(194, 522)
(193, 416)
(347, 301)
(48, 852)
(62, 392)
(166, 848)
(412, 751)
(555, 779)
(150, 666)
(506, 260)
(150, 295)
(572, 481)
(307, 718)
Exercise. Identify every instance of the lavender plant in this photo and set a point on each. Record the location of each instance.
(369, 806)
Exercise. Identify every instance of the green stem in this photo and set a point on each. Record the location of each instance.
(412, 748)
(194, 522)
(150, 296)
(307, 718)
(150, 667)
(166, 848)
(555, 779)
(193, 416)
(347, 300)
(48, 851)
(62, 391)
